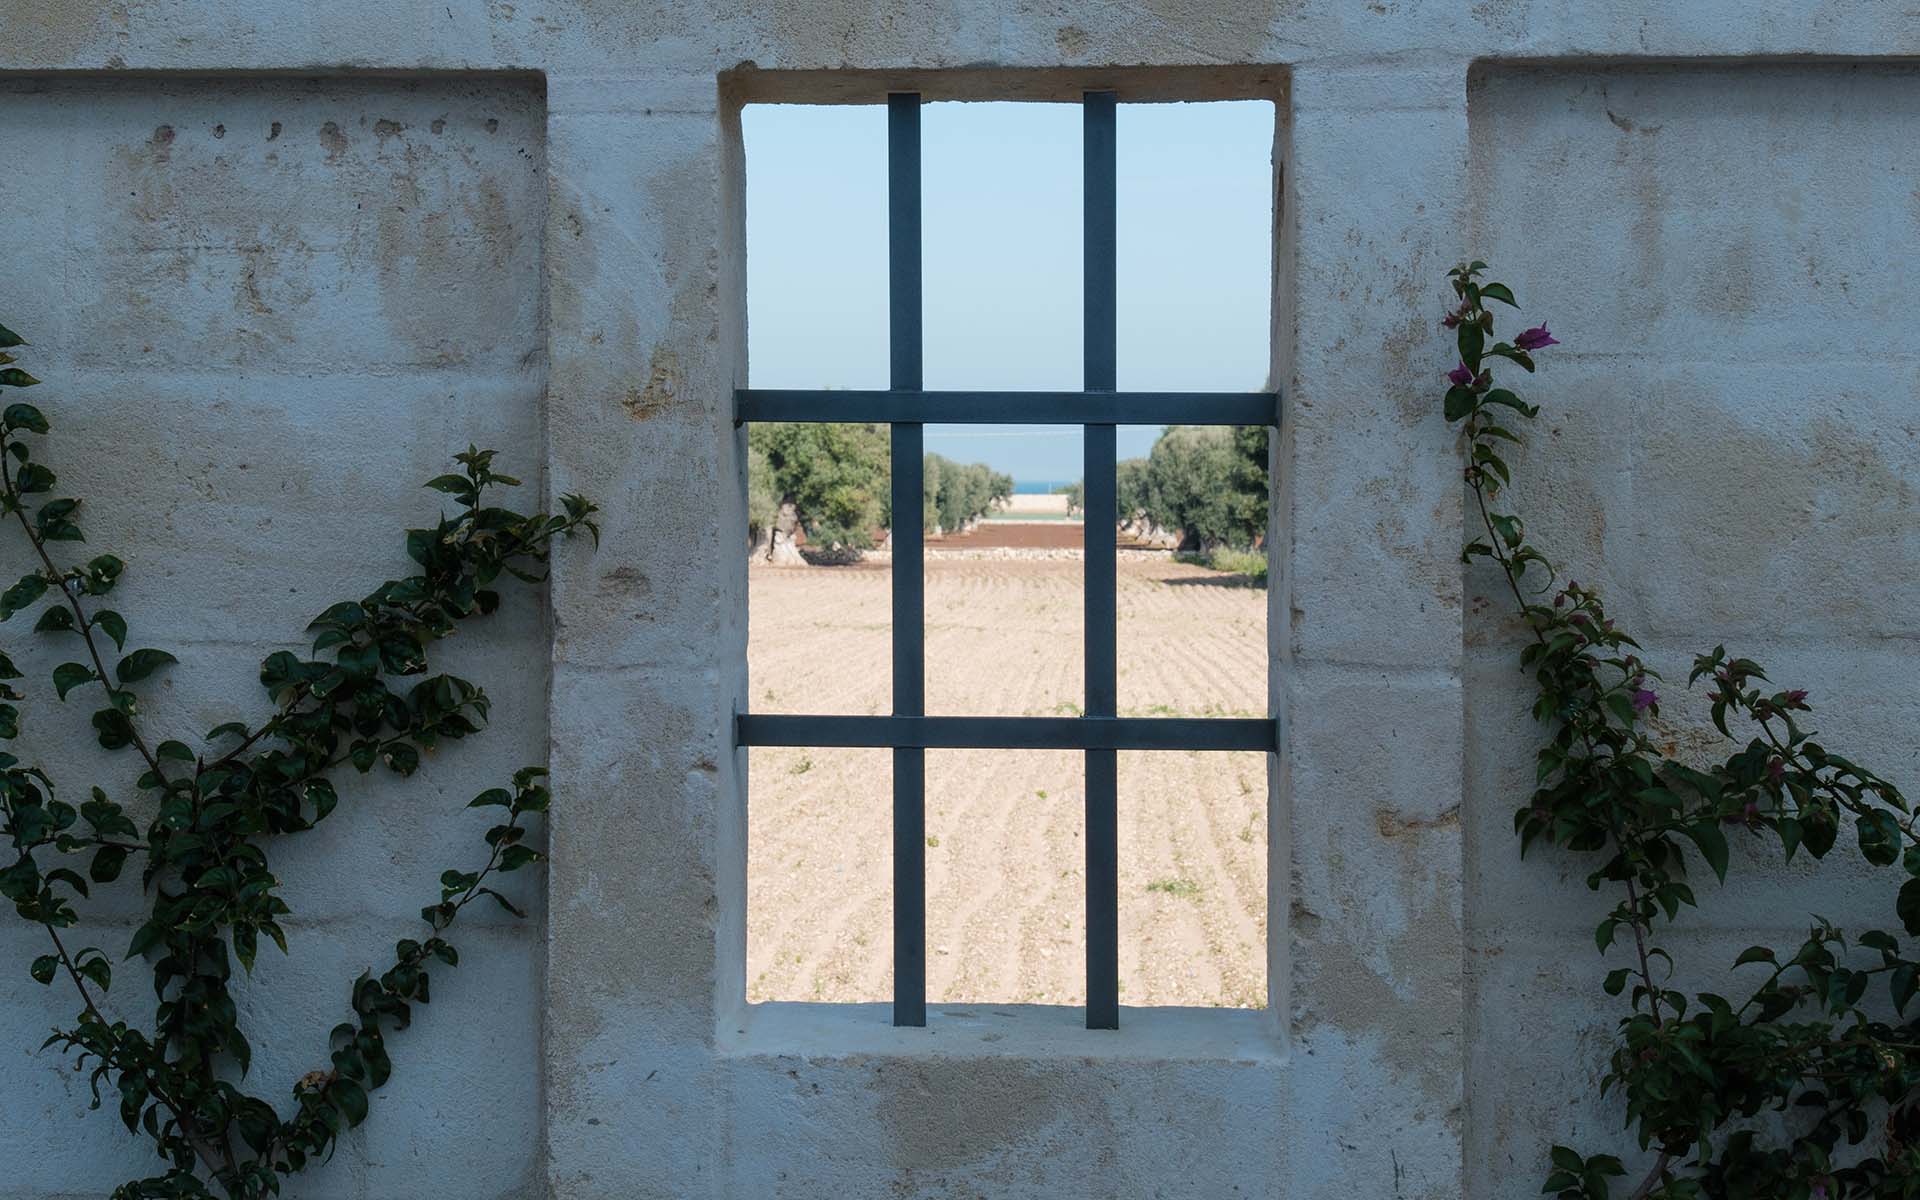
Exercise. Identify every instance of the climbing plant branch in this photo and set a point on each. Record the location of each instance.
(210, 816)
(1809, 1089)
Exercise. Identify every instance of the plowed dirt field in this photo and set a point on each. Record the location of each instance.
(1005, 877)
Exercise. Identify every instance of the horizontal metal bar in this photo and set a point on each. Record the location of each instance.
(1010, 733)
(1010, 408)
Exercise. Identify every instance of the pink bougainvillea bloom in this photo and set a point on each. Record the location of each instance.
(1460, 376)
(1796, 695)
(1451, 320)
(1644, 699)
(1776, 770)
(1535, 339)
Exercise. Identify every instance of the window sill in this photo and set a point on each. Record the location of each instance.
(826, 1031)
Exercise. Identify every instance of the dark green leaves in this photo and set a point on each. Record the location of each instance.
(9, 339)
(32, 479)
(209, 819)
(24, 416)
(53, 521)
(112, 728)
(68, 676)
(1472, 341)
(100, 574)
(1712, 843)
(142, 663)
(1880, 837)
(113, 625)
(350, 1098)
(1459, 402)
(15, 377)
(54, 620)
(1577, 1178)
(29, 589)
(1908, 906)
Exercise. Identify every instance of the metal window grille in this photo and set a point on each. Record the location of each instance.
(1101, 733)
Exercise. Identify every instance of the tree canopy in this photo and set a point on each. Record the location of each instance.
(838, 476)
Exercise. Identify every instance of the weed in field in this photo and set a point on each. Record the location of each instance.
(801, 767)
(933, 841)
(1251, 565)
(1184, 888)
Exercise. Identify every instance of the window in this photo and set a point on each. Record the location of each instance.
(1099, 408)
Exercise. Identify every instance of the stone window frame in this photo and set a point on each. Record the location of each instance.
(1195, 1032)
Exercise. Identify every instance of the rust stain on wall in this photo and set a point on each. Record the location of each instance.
(663, 385)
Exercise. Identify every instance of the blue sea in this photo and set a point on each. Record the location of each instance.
(1039, 487)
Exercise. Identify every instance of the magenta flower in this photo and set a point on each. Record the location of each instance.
(1535, 339)
(1645, 699)
(1451, 320)
(1460, 376)
(1797, 696)
(1776, 770)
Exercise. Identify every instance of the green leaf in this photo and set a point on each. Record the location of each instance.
(1908, 906)
(142, 663)
(1712, 843)
(492, 797)
(1500, 292)
(15, 377)
(1754, 954)
(246, 946)
(1902, 984)
(1790, 833)
(515, 857)
(1880, 838)
(43, 968)
(25, 416)
(1507, 398)
(25, 592)
(107, 864)
(1471, 340)
(115, 626)
(350, 1098)
(101, 573)
(401, 758)
(113, 728)
(177, 751)
(68, 676)
(9, 339)
(1459, 402)
(145, 938)
(54, 620)
(1603, 934)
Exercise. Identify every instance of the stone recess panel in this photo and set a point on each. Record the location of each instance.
(1730, 254)
(266, 310)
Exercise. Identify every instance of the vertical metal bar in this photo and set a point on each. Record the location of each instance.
(909, 584)
(1103, 787)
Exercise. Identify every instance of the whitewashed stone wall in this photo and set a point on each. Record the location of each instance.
(278, 259)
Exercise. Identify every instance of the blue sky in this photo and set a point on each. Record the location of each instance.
(1001, 234)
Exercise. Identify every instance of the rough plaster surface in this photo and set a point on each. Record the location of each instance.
(1735, 290)
(336, 316)
(266, 311)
